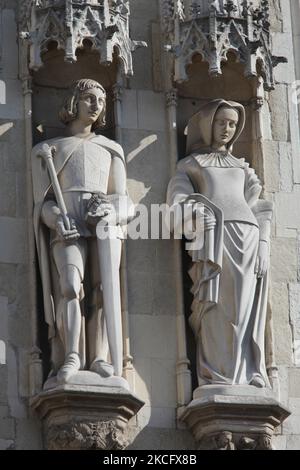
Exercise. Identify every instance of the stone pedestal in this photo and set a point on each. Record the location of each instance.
(233, 417)
(86, 413)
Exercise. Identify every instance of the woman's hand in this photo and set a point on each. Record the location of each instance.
(65, 234)
(262, 260)
(204, 216)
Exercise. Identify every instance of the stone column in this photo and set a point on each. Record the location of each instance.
(295, 9)
(183, 373)
(259, 122)
(35, 363)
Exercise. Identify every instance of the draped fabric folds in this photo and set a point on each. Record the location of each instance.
(229, 308)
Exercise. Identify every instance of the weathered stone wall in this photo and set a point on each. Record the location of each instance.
(151, 279)
(282, 171)
(18, 429)
(150, 262)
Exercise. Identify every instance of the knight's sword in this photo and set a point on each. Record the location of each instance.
(109, 253)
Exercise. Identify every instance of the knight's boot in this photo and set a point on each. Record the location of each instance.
(71, 367)
(101, 367)
(71, 326)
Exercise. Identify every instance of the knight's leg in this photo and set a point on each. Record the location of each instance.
(70, 282)
(69, 322)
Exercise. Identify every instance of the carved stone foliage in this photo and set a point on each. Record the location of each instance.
(227, 440)
(213, 28)
(104, 435)
(80, 416)
(105, 23)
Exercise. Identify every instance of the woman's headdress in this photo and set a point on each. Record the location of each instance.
(200, 126)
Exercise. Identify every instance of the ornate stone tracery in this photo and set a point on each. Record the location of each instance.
(105, 23)
(215, 27)
(102, 435)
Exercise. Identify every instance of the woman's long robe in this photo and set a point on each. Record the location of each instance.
(229, 308)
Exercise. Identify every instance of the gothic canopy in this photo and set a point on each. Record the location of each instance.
(68, 23)
(212, 28)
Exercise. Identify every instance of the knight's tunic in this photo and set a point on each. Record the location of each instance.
(83, 167)
(85, 173)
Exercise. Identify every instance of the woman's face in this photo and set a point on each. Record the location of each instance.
(224, 127)
(90, 105)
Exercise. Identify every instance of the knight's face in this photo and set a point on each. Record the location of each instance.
(90, 105)
(224, 126)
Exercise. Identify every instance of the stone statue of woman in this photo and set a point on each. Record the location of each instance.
(79, 180)
(229, 273)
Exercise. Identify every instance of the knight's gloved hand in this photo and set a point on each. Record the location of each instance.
(97, 200)
(98, 207)
(102, 211)
(64, 233)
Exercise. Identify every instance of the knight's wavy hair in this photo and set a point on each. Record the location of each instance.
(69, 109)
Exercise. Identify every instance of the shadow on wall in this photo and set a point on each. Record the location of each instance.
(163, 439)
(147, 166)
(155, 428)
(138, 159)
